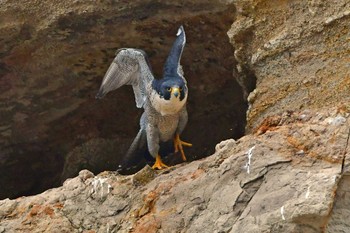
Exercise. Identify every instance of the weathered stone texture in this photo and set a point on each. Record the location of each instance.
(260, 183)
(298, 51)
(289, 174)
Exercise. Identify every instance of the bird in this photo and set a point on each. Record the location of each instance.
(163, 100)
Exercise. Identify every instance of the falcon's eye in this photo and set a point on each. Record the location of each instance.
(168, 89)
(180, 88)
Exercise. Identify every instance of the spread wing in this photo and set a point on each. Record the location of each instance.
(129, 67)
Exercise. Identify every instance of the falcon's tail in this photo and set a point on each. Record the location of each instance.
(138, 155)
(135, 157)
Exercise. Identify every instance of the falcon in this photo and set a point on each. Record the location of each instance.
(163, 100)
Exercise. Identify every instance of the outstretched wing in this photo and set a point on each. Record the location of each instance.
(129, 67)
(172, 65)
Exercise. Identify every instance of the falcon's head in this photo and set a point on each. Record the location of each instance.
(172, 88)
(169, 95)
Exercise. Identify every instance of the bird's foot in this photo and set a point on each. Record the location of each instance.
(178, 146)
(159, 164)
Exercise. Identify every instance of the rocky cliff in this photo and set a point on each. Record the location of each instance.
(53, 56)
(290, 173)
(298, 52)
(291, 178)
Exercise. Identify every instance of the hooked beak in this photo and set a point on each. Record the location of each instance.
(175, 91)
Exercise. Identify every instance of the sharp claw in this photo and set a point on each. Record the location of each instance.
(183, 156)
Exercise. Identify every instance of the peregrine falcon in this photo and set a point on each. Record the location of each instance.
(164, 100)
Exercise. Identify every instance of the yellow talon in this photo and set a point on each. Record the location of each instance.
(178, 146)
(159, 164)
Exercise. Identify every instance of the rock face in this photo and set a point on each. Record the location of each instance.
(290, 173)
(53, 56)
(288, 179)
(298, 52)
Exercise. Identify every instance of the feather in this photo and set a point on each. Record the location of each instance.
(172, 65)
(129, 67)
(135, 158)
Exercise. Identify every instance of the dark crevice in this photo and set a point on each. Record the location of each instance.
(248, 192)
(250, 188)
(345, 150)
(247, 80)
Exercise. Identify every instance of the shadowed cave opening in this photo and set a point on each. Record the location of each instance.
(216, 104)
(66, 129)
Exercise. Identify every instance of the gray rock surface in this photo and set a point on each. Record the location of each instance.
(289, 174)
(287, 179)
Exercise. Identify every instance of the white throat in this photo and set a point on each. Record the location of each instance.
(167, 107)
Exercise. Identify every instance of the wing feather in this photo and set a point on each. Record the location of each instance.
(129, 67)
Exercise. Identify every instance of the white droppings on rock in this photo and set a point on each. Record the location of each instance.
(249, 155)
(282, 213)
